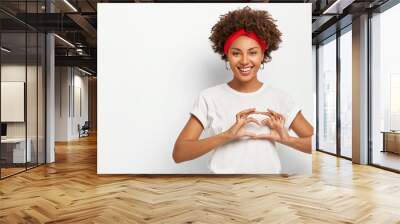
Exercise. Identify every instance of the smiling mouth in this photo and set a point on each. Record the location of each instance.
(245, 70)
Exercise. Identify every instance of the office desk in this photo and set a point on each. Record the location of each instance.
(13, 150)
(391, 141)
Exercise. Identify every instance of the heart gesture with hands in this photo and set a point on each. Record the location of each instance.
(275, 121)
(242, 118)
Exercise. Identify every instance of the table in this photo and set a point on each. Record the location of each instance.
(391, 141)
(13, 150)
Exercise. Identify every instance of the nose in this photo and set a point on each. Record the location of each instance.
(244, 60)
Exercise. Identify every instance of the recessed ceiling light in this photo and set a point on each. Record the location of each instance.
(70, 5)
(337, 7)
(64, 40)
(84, 71)
(5, 50)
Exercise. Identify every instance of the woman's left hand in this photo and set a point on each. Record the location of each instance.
(276, 122)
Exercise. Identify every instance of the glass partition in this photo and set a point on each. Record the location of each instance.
(385, 89)
(14, 153)
(32, 95)
(346, 93)
(327, 96)
(22, 67)
(41, 86)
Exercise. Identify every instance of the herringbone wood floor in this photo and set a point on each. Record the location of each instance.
(70, 191)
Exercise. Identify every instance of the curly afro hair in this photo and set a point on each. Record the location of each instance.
(257, 21)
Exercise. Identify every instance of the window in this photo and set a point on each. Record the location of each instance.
(385, 89)
(327, 96)
(346, 93)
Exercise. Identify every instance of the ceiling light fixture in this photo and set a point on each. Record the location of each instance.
(5, 50)
(64, 40)
(70, 5)
(84, 71)
(337, 7)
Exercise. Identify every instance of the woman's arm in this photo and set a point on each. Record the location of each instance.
(188, 147)
(304, 131)
(299, 125)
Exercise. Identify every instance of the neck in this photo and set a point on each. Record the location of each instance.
(246, 87)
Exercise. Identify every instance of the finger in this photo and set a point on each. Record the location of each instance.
(259, 112)
(263, 121)
(272, 123)
(268, 114)
(253, 120)
(275, 113)
(267, 122)
(272, 111)
(250, 110)
(263, 136)
(274, 117)
(279, 116)
(245, 113)
(271, 117)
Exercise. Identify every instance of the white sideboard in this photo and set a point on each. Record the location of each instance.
(18, 148)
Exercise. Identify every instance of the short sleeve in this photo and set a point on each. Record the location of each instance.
(291, 109)
(200, 110)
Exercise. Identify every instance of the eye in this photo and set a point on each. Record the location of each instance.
(235, 53)
(253, 52)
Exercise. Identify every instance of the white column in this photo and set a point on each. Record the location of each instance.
(50, 100)
(50, 92)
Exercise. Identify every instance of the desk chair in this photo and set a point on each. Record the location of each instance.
(84, 130)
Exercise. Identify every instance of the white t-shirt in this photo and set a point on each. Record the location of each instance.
(216, 108)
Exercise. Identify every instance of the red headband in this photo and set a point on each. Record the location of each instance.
(239, 33)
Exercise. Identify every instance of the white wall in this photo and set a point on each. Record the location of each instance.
(80, 84)
(150, 70)
(68, 81)
(61, 103)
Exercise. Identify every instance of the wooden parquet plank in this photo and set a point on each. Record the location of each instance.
(70, 191)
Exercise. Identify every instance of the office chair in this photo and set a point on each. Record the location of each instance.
(84, 130)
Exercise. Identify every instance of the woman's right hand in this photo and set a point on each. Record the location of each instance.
(237, 130)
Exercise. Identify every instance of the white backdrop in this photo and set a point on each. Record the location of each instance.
(154, 59)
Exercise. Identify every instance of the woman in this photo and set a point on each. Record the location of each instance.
(247, 117)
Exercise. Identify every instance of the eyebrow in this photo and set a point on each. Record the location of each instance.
(241, 50)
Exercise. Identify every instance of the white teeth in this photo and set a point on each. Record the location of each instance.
(245, 69)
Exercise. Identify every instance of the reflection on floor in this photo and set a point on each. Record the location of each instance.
(71, 191)
(386, 159)
(11, 169)
(347, 152)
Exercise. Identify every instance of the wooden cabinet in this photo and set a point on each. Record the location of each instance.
(391, 141)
